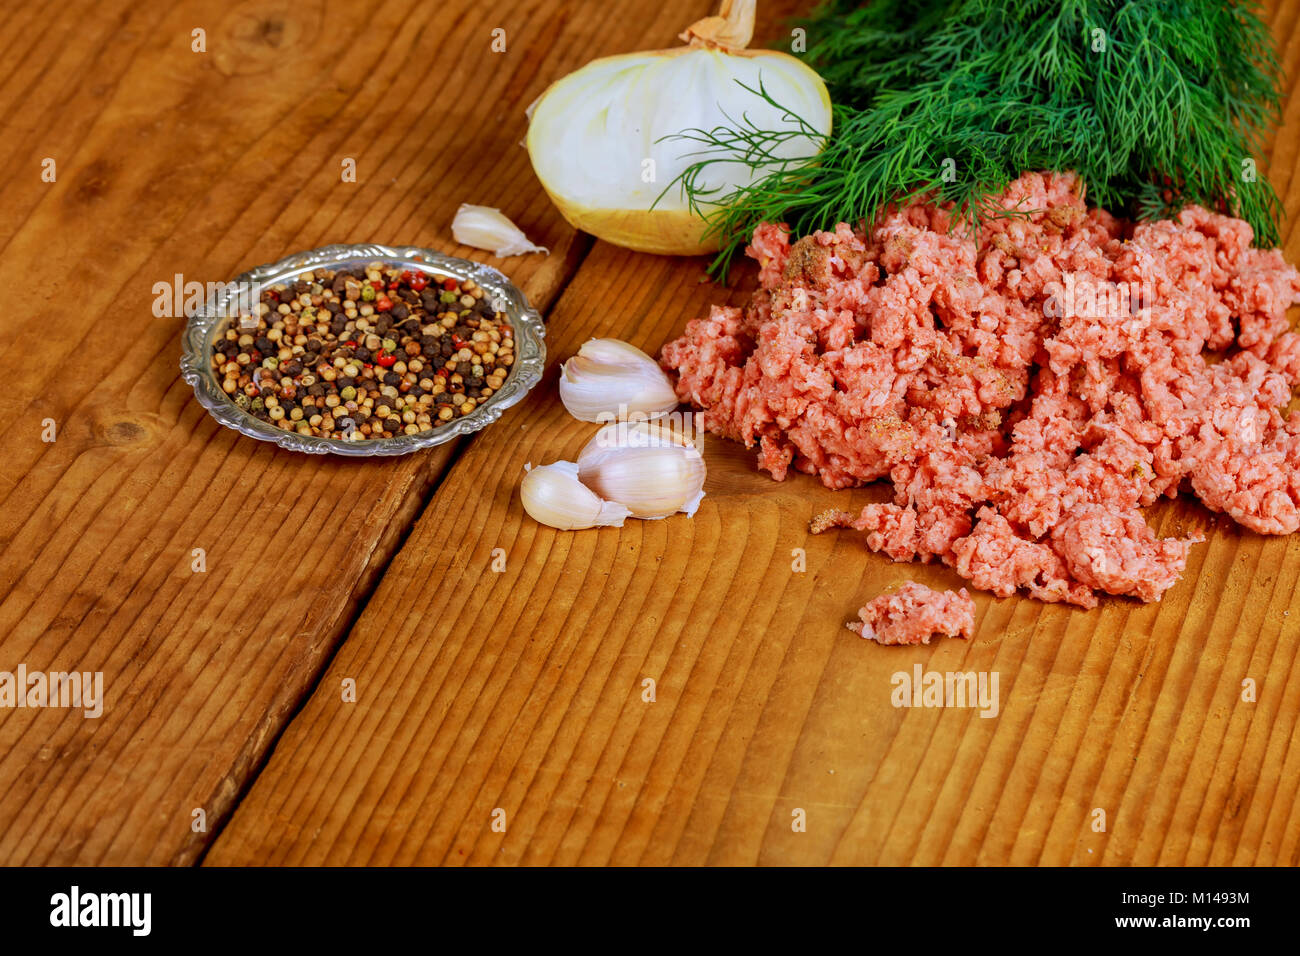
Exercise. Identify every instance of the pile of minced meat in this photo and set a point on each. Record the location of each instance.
(1026, 391)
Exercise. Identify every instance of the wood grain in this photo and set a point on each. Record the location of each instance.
(175, 161)
(522, 691)
(519, 690)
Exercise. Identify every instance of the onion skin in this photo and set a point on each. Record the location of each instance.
(665, 232)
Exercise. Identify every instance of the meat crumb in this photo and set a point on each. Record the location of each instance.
(915, 613)
(830, 518)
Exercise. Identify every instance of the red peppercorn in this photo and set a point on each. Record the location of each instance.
(384, 360)
(394, 285)
(419, 283)
(383, 303)
(449, 285)
(377, 285)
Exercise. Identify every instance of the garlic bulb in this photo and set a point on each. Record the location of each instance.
(553, 495)
(484, 227)
(649, 468)
(609, 379)
(603, 140)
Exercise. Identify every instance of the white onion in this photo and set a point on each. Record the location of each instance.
(600, 139)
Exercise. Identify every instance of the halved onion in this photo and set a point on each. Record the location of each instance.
(602, 140)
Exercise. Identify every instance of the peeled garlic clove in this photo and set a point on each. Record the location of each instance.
(649, 468)
(610, 379)
(484, 227)
(553, 495)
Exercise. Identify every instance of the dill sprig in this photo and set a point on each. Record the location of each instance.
(1155, 104)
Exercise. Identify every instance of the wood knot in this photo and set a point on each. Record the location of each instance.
(90, 184)
(119, 430)
(258, 36)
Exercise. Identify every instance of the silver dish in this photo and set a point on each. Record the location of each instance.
(202, 327)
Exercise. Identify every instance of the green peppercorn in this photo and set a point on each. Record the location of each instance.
(447, 298)
(257, 405)
(367, 293)
(348, 394)
(271, 362)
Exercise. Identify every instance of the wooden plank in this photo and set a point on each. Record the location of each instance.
(205, 163)
(522, 691)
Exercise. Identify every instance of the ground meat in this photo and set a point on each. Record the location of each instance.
(915, 613)
(1027, 389)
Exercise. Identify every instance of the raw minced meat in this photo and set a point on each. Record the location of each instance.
(915, 613)
(1027, 391)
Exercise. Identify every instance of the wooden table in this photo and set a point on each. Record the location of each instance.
(516, 696)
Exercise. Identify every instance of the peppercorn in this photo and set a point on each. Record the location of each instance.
(288, 354)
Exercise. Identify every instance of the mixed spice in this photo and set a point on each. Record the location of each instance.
(365, 352)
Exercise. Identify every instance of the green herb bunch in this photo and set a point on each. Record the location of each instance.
(1156, 104)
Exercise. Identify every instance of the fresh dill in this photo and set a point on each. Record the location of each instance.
(1155, 104)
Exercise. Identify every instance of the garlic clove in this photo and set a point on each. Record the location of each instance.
(553, 495)
(484, 227)
(649, 468)
(612, 379)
